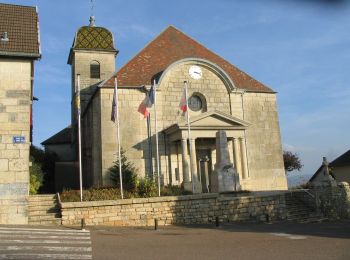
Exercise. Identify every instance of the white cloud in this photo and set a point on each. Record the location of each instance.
(297, 148)
(133, 31)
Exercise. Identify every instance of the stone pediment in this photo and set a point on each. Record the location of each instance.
(212, 120)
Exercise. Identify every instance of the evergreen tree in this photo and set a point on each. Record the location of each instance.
(128, 173)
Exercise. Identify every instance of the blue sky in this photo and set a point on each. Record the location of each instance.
(301, 49)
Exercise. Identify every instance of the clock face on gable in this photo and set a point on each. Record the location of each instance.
(195, 72)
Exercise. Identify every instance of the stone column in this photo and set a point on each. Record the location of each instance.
(230, 149)
(243, 158)
(185, 172)
(237, 163)
(194, 160)
(197, 184)
(205, 174)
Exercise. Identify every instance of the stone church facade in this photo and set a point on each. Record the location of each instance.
(222, 98)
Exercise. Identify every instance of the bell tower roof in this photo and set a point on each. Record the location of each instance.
(92, 38)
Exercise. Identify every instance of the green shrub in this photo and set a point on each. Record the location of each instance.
(93, 194)
(147, 188)
(70, 196)
(128, 174)
(36, 177)
(170, 190)
(47, 164)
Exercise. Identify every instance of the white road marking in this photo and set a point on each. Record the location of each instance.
(34, 236)
(29, 256)
(46, 229)
(41, 232)
(280, 234)
(42, 241)
(27, 243)
(297, 237)
(290, 236)
(48, 248)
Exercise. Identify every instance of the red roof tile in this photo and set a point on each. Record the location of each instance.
(21, 25)
(173, 45)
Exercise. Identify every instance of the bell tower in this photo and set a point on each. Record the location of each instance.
(92, 56)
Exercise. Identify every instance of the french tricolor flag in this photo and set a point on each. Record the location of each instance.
(147, 103)
(183, 102)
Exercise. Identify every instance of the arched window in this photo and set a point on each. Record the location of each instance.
(95, 70)
(197, 102)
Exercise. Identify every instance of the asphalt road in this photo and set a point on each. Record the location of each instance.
(231, 241)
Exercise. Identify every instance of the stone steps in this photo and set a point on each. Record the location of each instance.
(44, 210)
(50, 222)
(298, 211)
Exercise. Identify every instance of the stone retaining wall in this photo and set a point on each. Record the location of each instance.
(333, 200)
(193, 209)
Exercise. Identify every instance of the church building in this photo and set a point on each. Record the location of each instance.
(220, 97)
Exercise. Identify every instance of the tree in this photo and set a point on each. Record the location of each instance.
(128, 173)
(36, 176)
(46, 161)
(291, 161)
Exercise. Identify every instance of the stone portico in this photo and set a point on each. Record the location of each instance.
(203, 132)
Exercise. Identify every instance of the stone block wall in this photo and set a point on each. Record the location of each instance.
(193, 209)
(91, 143)
(81, 65)
(264, 147)
(133, 130)
(15, 100)
(334, 201)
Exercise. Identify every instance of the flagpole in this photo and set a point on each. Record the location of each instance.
(79, 138)
(149, 134)
(118, 137)
(156, 126)
(189, 135)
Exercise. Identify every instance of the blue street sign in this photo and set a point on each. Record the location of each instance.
(18, 139)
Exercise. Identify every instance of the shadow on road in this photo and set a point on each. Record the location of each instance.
(338, 229)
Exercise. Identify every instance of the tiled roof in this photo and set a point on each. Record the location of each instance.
(62, 137)
(21, 25)
(97, 38)
(173, 45)
(92, 38)
(342, 160)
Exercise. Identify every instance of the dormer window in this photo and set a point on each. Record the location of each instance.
(95, 70)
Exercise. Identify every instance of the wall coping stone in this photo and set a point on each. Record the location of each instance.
(219, 197)
(84, 204)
